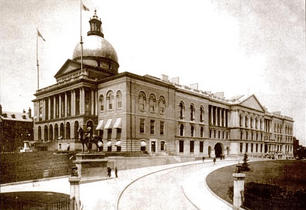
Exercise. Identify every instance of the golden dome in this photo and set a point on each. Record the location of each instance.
(94, 47)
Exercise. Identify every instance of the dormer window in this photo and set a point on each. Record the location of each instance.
(13, 116)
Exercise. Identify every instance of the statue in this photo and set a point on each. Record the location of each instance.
(83, 141)
(88, 139)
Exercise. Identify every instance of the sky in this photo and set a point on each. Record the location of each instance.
(233, 46)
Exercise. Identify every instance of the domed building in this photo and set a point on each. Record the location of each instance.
(133, 113)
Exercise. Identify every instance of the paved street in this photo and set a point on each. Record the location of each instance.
(175, 186)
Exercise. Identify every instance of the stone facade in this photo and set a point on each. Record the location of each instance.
(156, 115)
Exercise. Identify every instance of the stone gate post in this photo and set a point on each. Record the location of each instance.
(238, 191)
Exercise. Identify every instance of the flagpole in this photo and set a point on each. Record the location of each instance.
(81, 40)
(37, 63)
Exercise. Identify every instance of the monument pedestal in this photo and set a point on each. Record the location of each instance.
(92, 166)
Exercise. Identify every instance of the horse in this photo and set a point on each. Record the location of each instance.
(97, 140)
(84, 141)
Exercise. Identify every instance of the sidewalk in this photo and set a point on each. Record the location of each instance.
(104, 194)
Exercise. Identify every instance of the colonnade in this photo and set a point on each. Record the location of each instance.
(218, 116)
(80, 101)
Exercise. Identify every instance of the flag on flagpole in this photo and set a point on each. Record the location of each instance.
(84, 7)
(39, 34)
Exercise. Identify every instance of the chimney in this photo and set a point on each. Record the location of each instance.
(30, 113)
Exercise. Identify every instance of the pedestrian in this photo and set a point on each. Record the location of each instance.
(214, 160)
(116, 172)
(109, 171)
(203, 158)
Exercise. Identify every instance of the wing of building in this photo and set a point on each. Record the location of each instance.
(144, 113)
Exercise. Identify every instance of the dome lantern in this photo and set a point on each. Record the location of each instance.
(95, 26)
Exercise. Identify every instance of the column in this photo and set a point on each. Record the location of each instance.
(220, 117)
(96, 102)
(43, 101)
(224, 117)
(215, 116)
(212, 115)
(59, 106)
(92, 102)
(54, 107)
(65, 114)
(82, 100)
(73, 103)
(49, 105)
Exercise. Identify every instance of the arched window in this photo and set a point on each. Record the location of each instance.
(46, 133)
(50, 132)
(251, 123)
(181, 130)
(201, 114)
(119, 99)
(152, 103)
(161, 105)
(246, 121)
(109, 100)
(39, 133)
(76, 128)
(62, 131)
(56, 132)
(202, 131)
(142, 101)
(101, 101)
(182, 110)
(67, 130)
(192, 130)
(192, 111)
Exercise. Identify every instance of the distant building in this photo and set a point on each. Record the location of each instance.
(145, 113)
(15, 128)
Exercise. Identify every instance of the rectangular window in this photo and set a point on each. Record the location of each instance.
(191, 146)
(181, 146)
(162, 128)
(101, 133)
(109, 148)
(201, 146)
(118, 136)
(118, 148)
(246, 147)
(152, 126)
(256, 147)
(241, 147)
(109, 133)
(251, 147)
(142, 125)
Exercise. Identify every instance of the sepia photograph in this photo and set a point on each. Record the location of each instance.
(152, 105)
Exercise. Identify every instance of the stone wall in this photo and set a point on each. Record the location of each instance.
(33, 165)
